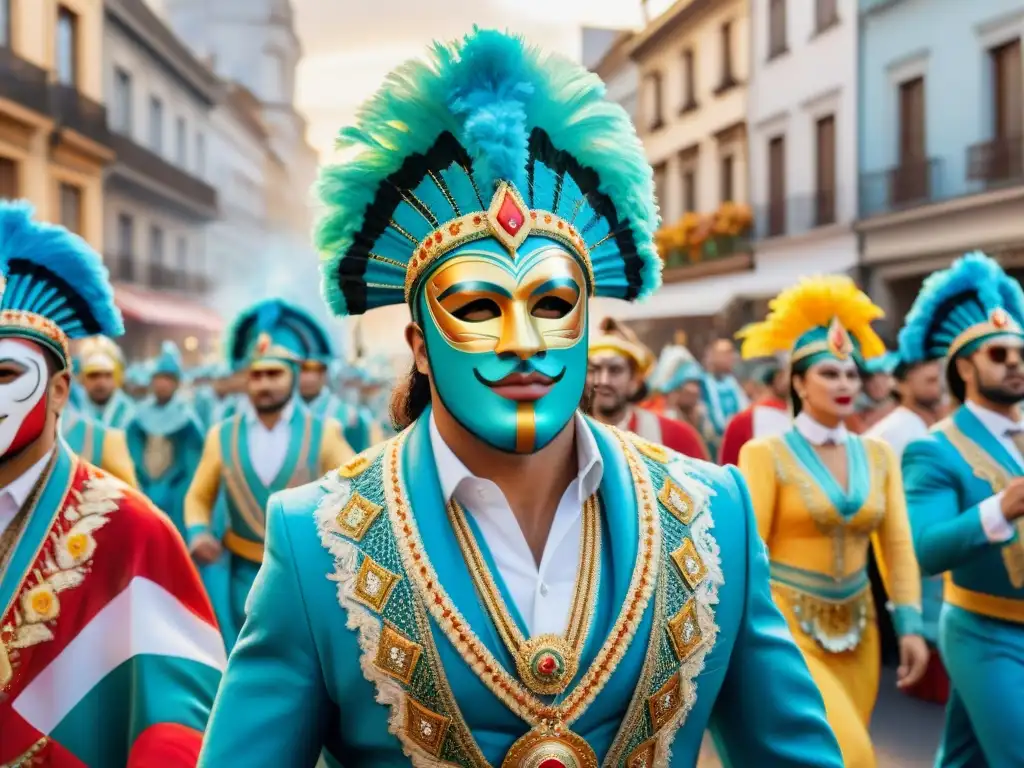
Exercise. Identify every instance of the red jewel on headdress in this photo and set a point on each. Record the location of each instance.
(510, 216)
(999, 318)
(263, 343)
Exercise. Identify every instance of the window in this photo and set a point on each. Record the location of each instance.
(156, 245)
(1005, 159)
(200, 154)
(122, 106)
(660, 181)
(910, 178)
(8, 179)
(181, 275)
(826, 14)
(156, 124)
(71, 207)
(689, 189)
(777, 186)
(67, 47)
(125, 262)
(727, 174)
(689, 82)
(776, 28)
(181, 142)
(654, 103)
(728, 77)
(5, 24)
(825, 160)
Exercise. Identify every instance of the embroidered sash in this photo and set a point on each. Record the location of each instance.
(366, 524)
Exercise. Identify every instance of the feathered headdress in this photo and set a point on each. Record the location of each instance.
(960, 307)
(676, 365)
(616, 336)
(273, 331)
(487, 138)
(56, 285)
(827, 315)
(168, 362)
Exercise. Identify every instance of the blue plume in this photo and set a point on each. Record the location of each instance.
(54, 273)
(268, 314)
(953, 300)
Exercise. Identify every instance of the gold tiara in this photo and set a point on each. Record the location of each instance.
(37, 325)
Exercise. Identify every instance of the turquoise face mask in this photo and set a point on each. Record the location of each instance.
(507, 342)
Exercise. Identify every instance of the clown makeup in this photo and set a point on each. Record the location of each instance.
(23, 388)
(507, 342)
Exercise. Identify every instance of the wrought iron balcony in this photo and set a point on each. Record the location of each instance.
(167, 278)
(192, 191)
(23, 82)
(796, 214)
(73, 109)
(122, 267)
(997, 162)
(908, 185)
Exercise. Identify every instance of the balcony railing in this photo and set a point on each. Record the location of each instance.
(996, 162)
(23, 82)
(126, 268)
(122, 267)
(796, 214)
(73, 109)
(907, 185)
(149, 164)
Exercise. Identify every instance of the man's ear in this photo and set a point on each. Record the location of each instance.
(418, 345)
(59, 391)
(965, 369)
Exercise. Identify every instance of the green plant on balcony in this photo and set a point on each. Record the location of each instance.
(697, 237)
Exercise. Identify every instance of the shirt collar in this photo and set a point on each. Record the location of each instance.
(452, 472)
(994, 422)
(254, 418)
(22, 486)
(817, 433)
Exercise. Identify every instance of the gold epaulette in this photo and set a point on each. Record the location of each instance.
(360, 463)
(652, 451)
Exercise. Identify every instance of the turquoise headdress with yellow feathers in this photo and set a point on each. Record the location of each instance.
(486, 138)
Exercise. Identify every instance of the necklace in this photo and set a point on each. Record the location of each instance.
(546, 663)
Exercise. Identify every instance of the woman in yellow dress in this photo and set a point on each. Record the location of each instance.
(821, 494)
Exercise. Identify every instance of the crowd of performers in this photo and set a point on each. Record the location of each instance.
(560, 550)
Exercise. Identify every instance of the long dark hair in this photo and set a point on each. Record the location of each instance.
(409, 399)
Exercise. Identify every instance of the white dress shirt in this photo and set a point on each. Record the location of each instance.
(997, 528)
(17, 491)
(817, 433)
(268, 448)
(899, 429)
(543, 594)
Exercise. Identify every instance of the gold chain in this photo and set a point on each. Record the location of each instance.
(546, 663)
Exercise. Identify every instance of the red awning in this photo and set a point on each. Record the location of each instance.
(155, 308)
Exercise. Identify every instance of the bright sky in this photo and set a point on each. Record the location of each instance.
(350, 45)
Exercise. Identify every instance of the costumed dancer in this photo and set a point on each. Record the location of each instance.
(102, 376)
(136, 381)
(97, 444)
(406, 588)
(271, 443)
(919, 390)
(767, 416)
(109, 651)
(618, 365)
(822, 495)
(165, 438)
(965, 491)
(677, 380)
(877, 397)
(721, 392)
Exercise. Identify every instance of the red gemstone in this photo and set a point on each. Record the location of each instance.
(547, 665)
(551, 762)
(510, 217)
(1000, 319)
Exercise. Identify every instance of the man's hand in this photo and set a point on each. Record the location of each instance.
(914, 655)
(205, 549)
(1012, 502)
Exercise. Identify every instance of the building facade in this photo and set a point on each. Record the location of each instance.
(941, 124)
(693, 64)
(54, 142)
(159, 201)
(608, 57)
(802, 113)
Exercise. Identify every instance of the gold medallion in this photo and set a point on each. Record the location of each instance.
(550, 747)
(547, 664)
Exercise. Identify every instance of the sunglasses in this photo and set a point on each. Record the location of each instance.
(1000, 355)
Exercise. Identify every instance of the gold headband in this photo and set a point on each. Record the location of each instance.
(509, 221)
(837, 342)
(999, 322)
(638, 354)
(37, 324)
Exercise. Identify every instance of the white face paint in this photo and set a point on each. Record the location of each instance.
(23, 382)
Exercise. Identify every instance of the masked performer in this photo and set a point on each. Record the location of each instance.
(109, 653)
(102, 376)
(618, 364)
(965, 491)
(506, 582)
(273, 442)
(165, 438)
(821, 495)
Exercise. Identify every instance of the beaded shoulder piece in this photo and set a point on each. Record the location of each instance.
(361, 524)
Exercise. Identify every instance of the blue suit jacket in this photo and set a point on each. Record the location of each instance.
(297, 680)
